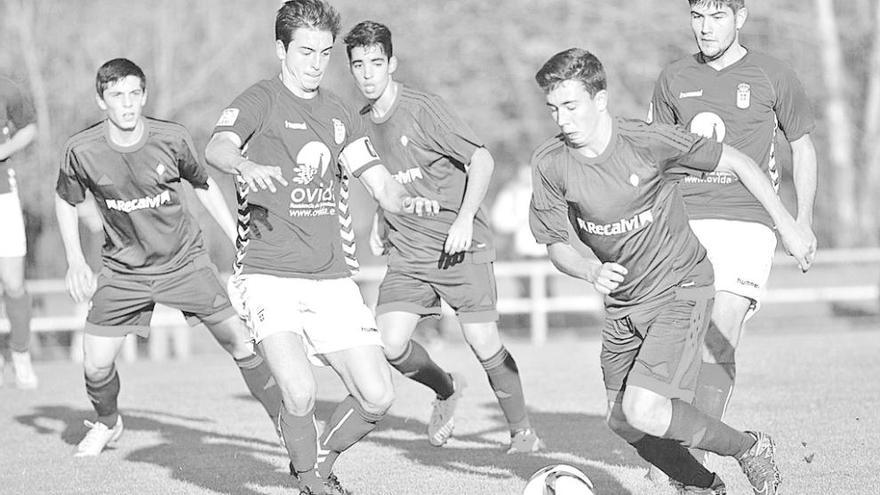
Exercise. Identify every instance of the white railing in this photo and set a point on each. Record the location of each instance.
(538, 305)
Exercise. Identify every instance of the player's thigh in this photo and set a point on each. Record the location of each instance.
(484, 338)
(396, 328)
(197, 291)
(232, 335)
(121, 304)
(286, 355)
(335, 317)
(620, 346)
(13, 242)
(405, 291)
(469, 289)
(724, 334)
(366, 374)
(99, 354)
(12, 275)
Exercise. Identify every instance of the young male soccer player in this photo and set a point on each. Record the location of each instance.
(610, 178)
(429, 149)
(133, 166)
(17, 129)
(293, 146)
(742, 98)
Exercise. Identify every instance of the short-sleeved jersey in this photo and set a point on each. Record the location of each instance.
(625, 205)
(147, 229)
(743, 105)
(16, 112)
(303, 230)
(427, 148)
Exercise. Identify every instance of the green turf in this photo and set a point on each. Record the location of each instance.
(192, 428)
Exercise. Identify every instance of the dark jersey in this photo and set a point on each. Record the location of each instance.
(426, 147)
(16, 112)
(302, 230)
(743, 105)
(625, 206)
(147, 229)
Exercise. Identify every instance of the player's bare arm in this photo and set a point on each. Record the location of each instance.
(80, 279)
(800, 242)
(392, 197)
(803, 154)
(224, 153)
(479, 173)
(604, 277)
(18, 141)
(213, 201)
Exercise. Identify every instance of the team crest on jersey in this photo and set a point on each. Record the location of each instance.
(743, 95)
(404, 141)
(160, 169)
(634, 180)
(338, 131)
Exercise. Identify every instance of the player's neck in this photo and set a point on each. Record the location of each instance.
(386, 100)
(126, 137)
(290, 82)
(730, 56)
(598, 142)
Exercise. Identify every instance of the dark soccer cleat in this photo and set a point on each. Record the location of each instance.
(759, 465)
(310, 484)
(332, 486)
(717, 488)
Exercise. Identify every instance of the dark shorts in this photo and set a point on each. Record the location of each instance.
(124, 303)
(661, 349)
(469, 288)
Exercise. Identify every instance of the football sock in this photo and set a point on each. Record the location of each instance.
(103, 394)
(18, 310)
(261, 383)
(696, 429)
(415, 363)
(674, 460)
(714, 387)
(301, 439)
(348, 424)
(504, 380)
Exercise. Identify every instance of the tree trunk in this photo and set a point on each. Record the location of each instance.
(870, 152)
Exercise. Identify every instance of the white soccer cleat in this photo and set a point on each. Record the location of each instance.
(25, 378)
(442, 421)
(98, 437)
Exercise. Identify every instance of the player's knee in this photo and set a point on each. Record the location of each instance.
(377, 399)
(299, 397)
(483, 339)
(97, 372)
(393, 349)
(641, 412)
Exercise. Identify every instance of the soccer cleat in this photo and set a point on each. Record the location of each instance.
(717, 488)
(525, 441)
(98, 437)
(759, 465)
(332, 486)
(442, 421)
(25, 378)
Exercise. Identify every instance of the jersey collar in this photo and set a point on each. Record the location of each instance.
(131, 148)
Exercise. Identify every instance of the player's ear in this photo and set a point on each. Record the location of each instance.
(280, 50)
(392, 64)
(601, 100)
(144, 97)
(741, 16)
(101, 103)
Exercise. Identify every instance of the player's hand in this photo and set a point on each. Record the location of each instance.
(460, 235)
(800, 242)
(378, 236)
(260, 177)
(607, 277)
(81, 282)
(421, 206)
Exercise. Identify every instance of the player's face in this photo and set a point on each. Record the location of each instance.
(371, 69)
(123, 101)
(575, 111)
(715, 28)
(306, 58)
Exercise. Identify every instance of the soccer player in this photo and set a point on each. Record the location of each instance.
(153, 253)
(17, 129)
(743, 98)
(293, 147)
(612, 180)
(430, 150)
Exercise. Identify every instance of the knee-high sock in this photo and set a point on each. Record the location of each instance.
(348, 424)
(261, 383)
(674, 460)
(18, 310)
(103, 394)
(714, 388)
(696, 429)
(301, 439)
(505, 382)
(415, 363)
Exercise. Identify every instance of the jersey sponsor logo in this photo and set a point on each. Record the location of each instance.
(311, 196)
(227, 117)
(297, 126)
(748, 283)
(712, 178)
(743, 96)
(709, 125)
(620, 227)
(338, 131)
(129, 205)
(409, 175)
(690, 94)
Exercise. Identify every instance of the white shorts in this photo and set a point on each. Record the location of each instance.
(13, 243)
(330, 315)
(742, 254)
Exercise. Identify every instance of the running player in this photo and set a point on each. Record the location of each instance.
(742, 98)
(611, 179)
(133, 166)
(429, 149)
(17, 129)
(293, 147)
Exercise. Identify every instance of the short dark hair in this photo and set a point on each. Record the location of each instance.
(311, 14)
(574, 64)
(369, 33)
(116, 69)
(735, 5)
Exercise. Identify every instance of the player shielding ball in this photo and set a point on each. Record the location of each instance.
(293, 147)
(153, 253)
(613, 180)
(430, 150)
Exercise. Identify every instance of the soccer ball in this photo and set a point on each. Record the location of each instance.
(560, 479)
